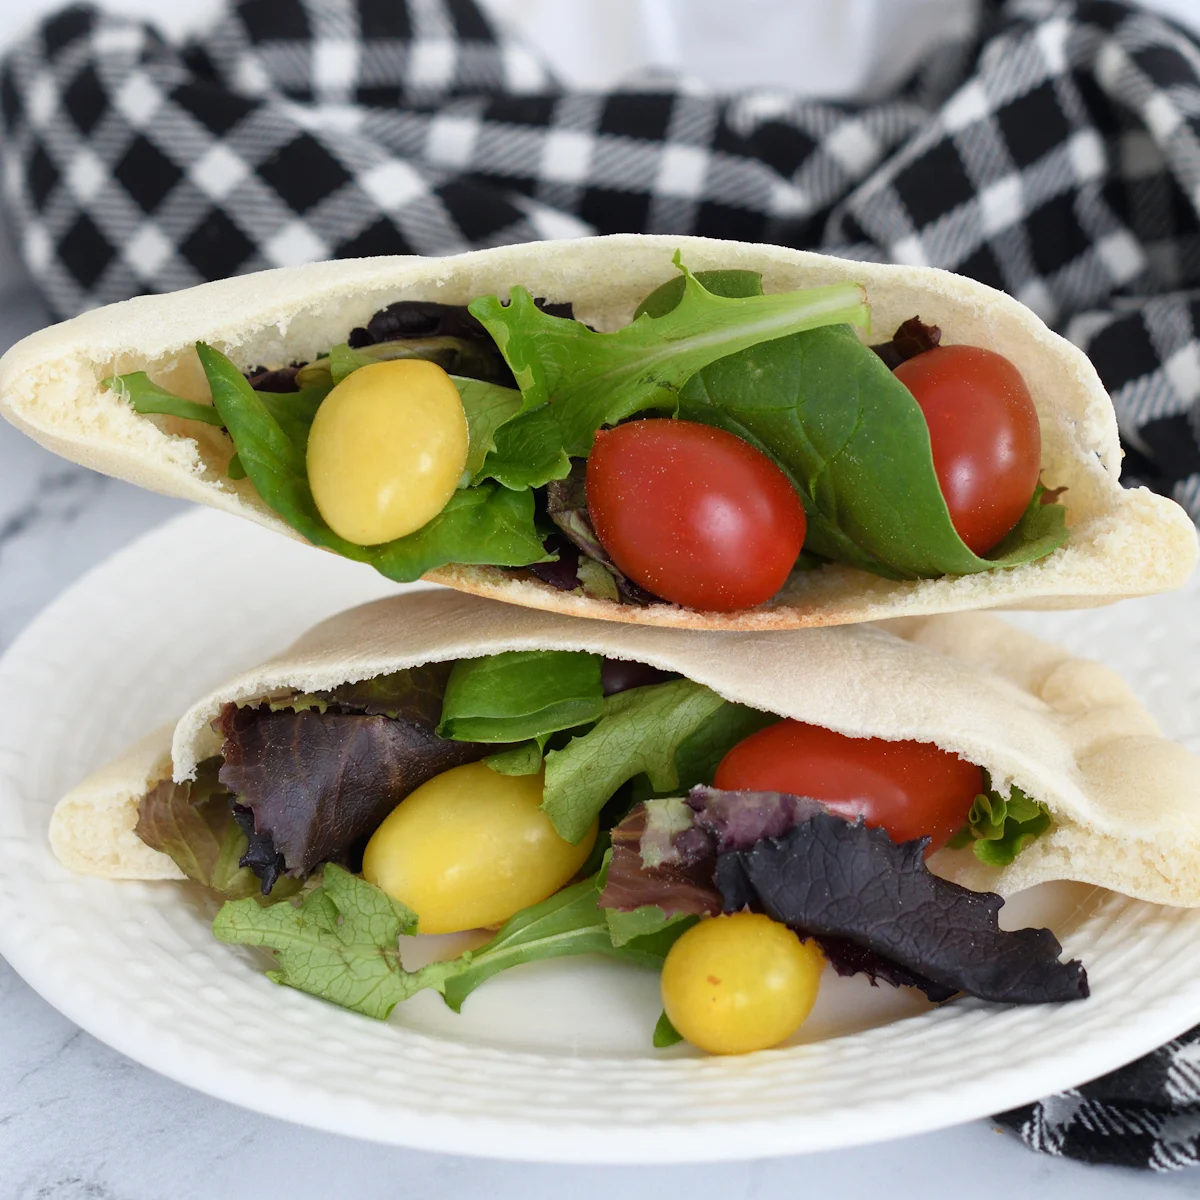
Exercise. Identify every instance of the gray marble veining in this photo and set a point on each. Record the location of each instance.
(80, 1122)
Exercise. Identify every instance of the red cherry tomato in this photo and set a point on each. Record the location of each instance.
(694, 514)
(912, 789)
(987, 443)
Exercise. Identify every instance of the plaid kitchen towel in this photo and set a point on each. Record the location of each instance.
(1056, 156)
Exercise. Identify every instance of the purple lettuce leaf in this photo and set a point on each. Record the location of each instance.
(622, 674)
(413, 695)
(737, 820)
(476, 355)
(829, 878)
(871, 904)
(566, 505)
(667, 862)
(317, 783)
(193, 823)
(912, 338)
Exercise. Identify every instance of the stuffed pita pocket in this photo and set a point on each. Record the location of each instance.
(181, 393)
(618, 734)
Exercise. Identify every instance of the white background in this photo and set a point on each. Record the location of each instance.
(78, 1121)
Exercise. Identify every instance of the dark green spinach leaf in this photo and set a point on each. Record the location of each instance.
(484, 524)
(148, 398)
(855, 445)
(521, 694)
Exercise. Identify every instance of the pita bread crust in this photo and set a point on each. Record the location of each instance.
(91, 828)
(1068, 731)
(1123, 543)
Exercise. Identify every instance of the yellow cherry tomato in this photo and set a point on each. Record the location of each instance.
(470, 848)
(740, 983)
(387, 448)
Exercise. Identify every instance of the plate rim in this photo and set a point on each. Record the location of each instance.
(521, 1139)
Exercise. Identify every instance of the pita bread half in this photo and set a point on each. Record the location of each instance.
(1123, 542)
(1126, 801)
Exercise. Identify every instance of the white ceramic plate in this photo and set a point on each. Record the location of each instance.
(551, 1061)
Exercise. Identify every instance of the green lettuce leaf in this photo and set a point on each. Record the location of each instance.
(569, 922)
(642, 922)
(665, 1034)
(528, 451)
(485, 524)
(999, 827)
(593, 379)
(489, 408)
(148, 398)
(525, 759)
(855, 445)
(340, 942)
(294, 412)
(639, 733)
(521, 694)
(697, 756)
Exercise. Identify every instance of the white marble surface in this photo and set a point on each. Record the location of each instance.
(77, 1120)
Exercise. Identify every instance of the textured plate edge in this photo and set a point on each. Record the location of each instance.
(521, 1140)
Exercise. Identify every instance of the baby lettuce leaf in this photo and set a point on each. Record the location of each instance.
(697, 756)
(340, 943)
(593, 379)
(998, 828)
(566, 506)
(639, 733)
(665, 850)
(829, 877)
(528, 451)
(294, 412)
(485, 524)
(855, 445)
(521, 694)
(317, 783)
(414, 694)
(733, 284)
(665, 1034)
(525, 759)
(642, 922)
(148, 398)
(569, 922)
(489, 408)
(193, 823)
(871, 905)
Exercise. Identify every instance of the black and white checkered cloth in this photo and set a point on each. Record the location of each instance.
(1056, 156)
(1144, 1115)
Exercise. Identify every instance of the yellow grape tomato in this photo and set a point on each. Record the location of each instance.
(739, 983)
(470, 848)
(387, 448)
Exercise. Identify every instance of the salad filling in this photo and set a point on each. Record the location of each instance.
(568, 799)
(699, 456)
